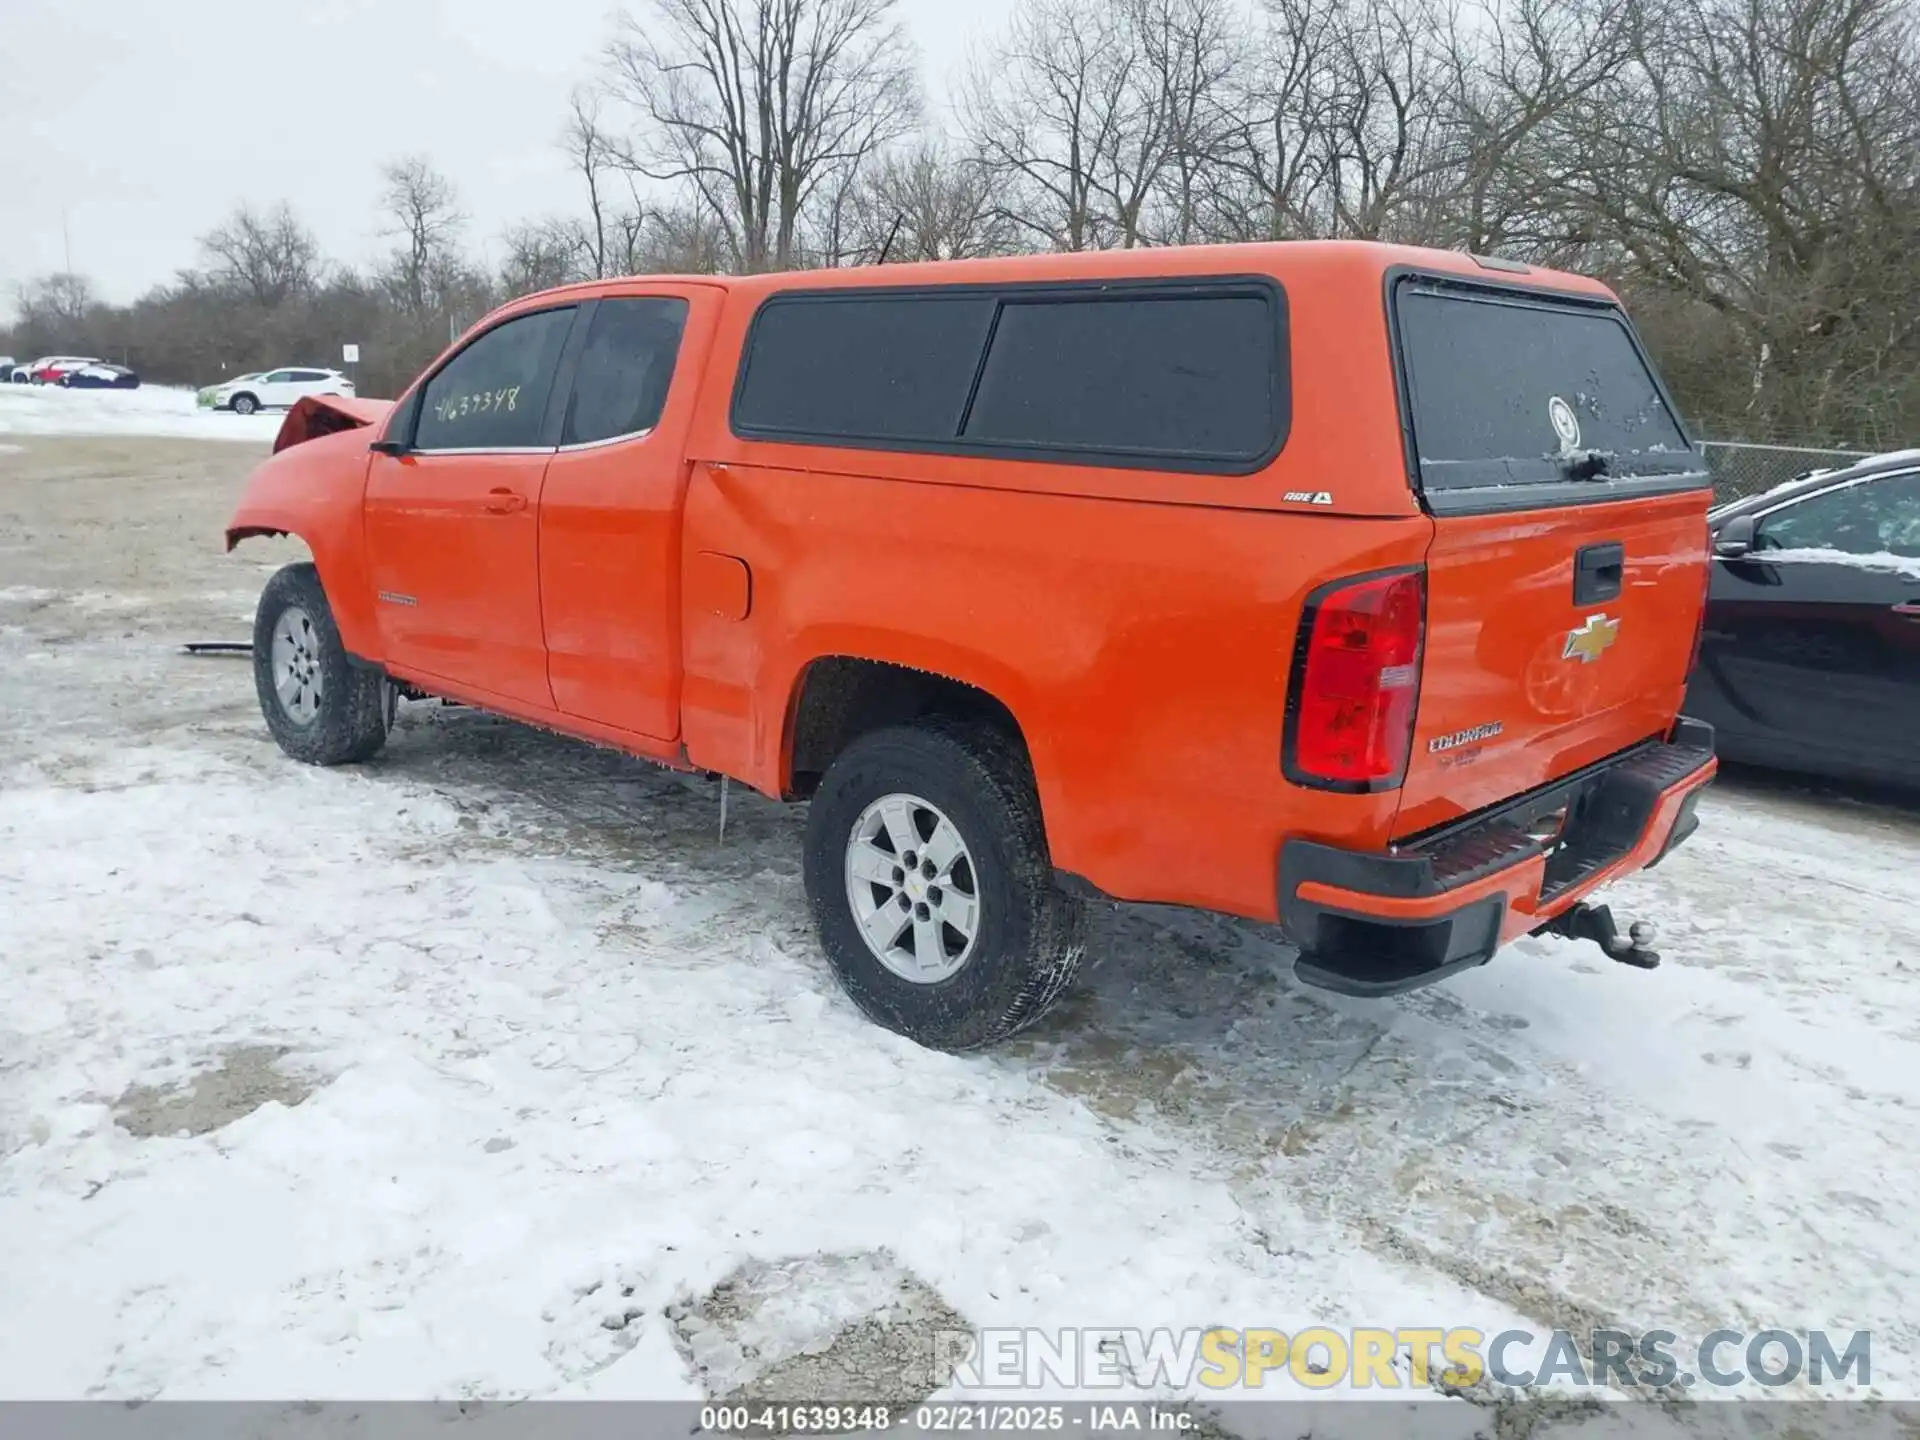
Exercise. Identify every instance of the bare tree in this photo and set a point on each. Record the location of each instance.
(58, 312)
(683, 239)
(1529, 80)
(925, 204)
(626, 243)
(57, 303)
(1761, 159)
(267, 255)
(423, 210)
(591, 152)
(608, 241)
(545, 253)
(1140, 142)
(1044, 107)
(1100, 120)
(759, 105)
(1341, 124)
(1385, 138)
(1194, 50)
(1274, 156)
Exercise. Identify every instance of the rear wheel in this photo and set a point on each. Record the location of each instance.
(245, 404)
(321, 708)
(929, 879)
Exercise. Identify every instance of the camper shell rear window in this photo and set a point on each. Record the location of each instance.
(1506, 391)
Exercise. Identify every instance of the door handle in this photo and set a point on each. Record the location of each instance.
(1597, 572)
(1910, 607)
(504, 502)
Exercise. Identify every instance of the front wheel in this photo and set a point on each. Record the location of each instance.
(929, 879)
(244, 404)
(321, 708)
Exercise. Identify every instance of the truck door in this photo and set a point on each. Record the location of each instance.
(611, 508)
(452, 519)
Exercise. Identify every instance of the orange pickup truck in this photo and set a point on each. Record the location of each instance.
(1337, 585)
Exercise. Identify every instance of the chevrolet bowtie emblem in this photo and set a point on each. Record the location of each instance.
(1586, 642)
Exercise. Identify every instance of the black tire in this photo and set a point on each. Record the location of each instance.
(1030, 939)
(244, 404)
(354, 710)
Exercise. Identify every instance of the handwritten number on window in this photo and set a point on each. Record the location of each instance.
(478, 402)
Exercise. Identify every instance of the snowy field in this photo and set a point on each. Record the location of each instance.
(150, 410)
(473, 1071)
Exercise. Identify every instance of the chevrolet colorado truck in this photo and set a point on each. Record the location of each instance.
(1341, 586)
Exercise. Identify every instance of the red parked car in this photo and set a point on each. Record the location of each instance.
(48, 369)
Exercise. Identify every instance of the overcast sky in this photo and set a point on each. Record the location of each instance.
(141, 123)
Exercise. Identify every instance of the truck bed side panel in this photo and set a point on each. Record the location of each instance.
(1143, 648)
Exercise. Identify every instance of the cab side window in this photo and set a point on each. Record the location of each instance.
(1185, 376)
(620, 385)
(1873, 517)
(1178, 375)
(493, 394)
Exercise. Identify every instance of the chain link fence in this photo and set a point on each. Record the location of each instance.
(1740, 470)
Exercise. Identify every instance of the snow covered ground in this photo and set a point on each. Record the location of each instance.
(532, 1071)
(467, 1072)
(152, 410)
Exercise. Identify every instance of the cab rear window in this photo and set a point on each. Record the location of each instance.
(1505, 390)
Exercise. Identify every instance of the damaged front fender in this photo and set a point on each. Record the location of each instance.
(318, 415)
(313, 486)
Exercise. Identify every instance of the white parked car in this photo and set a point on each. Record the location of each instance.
(277, 389)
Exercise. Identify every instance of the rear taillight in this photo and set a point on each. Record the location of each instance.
(1356, 683)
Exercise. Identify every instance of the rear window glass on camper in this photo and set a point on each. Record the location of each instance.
(1514, 391)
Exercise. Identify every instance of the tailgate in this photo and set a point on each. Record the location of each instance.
(1567, 569)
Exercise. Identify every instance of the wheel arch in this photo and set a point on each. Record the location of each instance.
(237, 533)
(314, 493)
(836, 697)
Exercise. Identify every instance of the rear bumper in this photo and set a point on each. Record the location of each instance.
(1375, 923)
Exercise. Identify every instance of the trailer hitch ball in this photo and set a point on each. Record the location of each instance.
(1595, 923)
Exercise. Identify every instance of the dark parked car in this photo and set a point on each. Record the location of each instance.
(1810, 655)
(99, 377)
